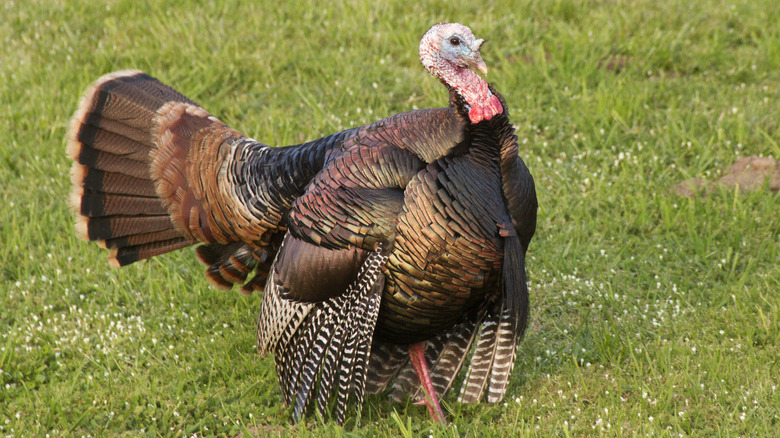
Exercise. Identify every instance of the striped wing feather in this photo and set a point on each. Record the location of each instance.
(321, 349)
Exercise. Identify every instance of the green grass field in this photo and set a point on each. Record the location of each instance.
(651, 315)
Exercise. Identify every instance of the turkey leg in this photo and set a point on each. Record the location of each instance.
(417, 355)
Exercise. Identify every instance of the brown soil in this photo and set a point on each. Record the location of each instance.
(749, 173)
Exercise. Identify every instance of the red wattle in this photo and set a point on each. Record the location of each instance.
(475, 114)
(491, 108)
(496, 105)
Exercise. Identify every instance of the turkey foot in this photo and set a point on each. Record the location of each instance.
(417, 355)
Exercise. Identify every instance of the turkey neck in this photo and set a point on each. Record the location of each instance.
(491, 141)
(481, 103)
(465, 82)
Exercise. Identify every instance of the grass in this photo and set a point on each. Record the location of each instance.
(652, 314)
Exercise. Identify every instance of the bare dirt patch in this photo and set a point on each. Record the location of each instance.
(749, 173)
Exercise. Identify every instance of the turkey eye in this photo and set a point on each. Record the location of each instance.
(455, 41)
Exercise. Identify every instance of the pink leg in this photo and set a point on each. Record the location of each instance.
(417, 355)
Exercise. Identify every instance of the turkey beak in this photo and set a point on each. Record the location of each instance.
(481, 66)
(476, 61)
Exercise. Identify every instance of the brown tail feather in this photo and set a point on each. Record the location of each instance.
(108, 227)
(129, 254)
(141, 239)
(95, 159)
(106, 204)
(114, 143)
(95, 180)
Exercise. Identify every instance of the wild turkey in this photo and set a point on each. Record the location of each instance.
(386, 252)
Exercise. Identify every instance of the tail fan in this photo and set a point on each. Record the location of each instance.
(154, 172)
(111, 144)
